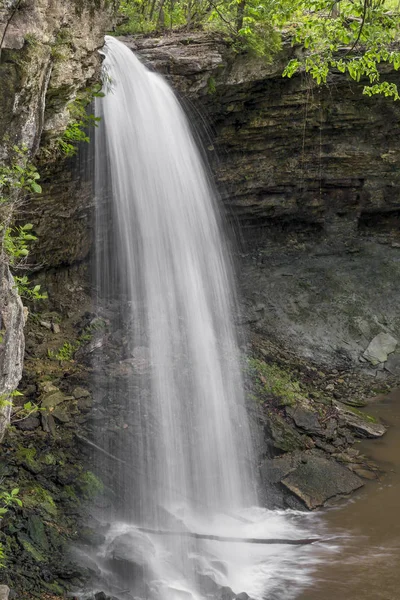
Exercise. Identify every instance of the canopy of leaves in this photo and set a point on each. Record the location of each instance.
(356, 37)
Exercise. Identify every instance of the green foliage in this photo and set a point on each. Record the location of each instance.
(7, 501)
(16, 242)
(271, 382)
(80, 121)
(355, 37)
(6, 398)
(28, 292)
(26, 410)
(66, 352)
(39, 498)
(20, 174)
(89, 484)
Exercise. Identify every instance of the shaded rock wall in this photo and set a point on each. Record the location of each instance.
(48, 54)
(309, 176)
(285, 150)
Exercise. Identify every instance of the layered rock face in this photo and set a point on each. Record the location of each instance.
(310, 178)
(288, 150)
(48, 53)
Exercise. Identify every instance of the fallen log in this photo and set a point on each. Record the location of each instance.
(219, 538)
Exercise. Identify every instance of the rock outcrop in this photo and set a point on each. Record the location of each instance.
(48, 54)
(286, 151)
(309, 176)
(12, 345)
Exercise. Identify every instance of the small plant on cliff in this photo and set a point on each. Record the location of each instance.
(80, 121)
(7, 500)
(18, 177)
(66, 352)
(20, 174)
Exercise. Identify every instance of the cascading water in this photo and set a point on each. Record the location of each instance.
(185, 460)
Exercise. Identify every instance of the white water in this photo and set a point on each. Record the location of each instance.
(192, 451)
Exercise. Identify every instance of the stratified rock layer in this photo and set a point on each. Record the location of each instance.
(310, 178)
(319, 157)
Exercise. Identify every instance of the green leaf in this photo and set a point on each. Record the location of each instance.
(36, 187)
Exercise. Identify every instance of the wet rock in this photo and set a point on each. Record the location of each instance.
(393, 364)
(242, 596)
(381, 346)
(53, 398)
(365, 473)
(282, 436)
(273, 470)
(319, 479)
(226, 593)
(91, 537)
(29, 547)
(208, 585)
(305, 418)
(80, 392)
(37, 532)
(133, 547)
(100, 596)
(85, 404)
(62, 414)
(28, 424)
(360, 424)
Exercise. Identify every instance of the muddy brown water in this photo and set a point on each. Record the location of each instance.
(365, 564)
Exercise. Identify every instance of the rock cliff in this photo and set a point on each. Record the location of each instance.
(48, 54)
(309, 177)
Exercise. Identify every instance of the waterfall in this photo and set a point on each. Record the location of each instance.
(185, 459)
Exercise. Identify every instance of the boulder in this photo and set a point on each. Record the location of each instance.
(360, 424)
(380, 347)
(393, 364)
(28, 424)
(53, 398)
(282, 436)
(133, 547)
(273, 470)
(315, 480)
(305, 418)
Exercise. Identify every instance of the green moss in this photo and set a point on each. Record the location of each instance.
(54, 588)
(30, 548)
(211, 88)
(40, 499)
(49, 459)
(89, 484)
(270, 380)
(362, 415)
(282, 436)
(27, 456)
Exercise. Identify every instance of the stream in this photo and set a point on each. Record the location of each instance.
(365, 565)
